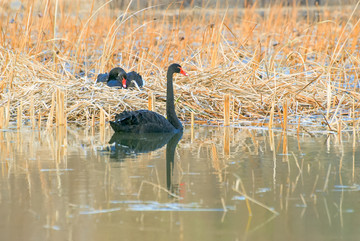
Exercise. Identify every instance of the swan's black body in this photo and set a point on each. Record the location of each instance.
(102, 77)
(145, 121)
(142, 121)
(119, 78)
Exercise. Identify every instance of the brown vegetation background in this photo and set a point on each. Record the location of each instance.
(281, 64)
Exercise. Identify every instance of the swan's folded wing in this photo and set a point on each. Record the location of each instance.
(136, 77)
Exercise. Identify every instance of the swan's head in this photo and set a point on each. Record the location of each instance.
(176, 68)
(118, 74)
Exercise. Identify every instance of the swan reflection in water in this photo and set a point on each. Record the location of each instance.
(125, 144)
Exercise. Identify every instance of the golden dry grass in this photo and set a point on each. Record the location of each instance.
(276, 57)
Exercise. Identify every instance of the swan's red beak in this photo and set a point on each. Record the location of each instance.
(124, 83)
(183, 72)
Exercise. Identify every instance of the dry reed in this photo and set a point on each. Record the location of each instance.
(151, 101)
(192, 123)
(262, 59)
(102, 117)
(227, 110)
(2, 117)
(19, 116)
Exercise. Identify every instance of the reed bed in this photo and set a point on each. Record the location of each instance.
(277, 65)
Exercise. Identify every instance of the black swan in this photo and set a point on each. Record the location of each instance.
(145, 121)
(119, 78)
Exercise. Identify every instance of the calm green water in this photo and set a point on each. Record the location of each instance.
(75, 186)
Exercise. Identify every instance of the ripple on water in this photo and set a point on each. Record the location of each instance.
(136, 205)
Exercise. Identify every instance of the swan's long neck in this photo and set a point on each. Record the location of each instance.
(170, 108)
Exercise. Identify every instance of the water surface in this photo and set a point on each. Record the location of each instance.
(213, 183)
